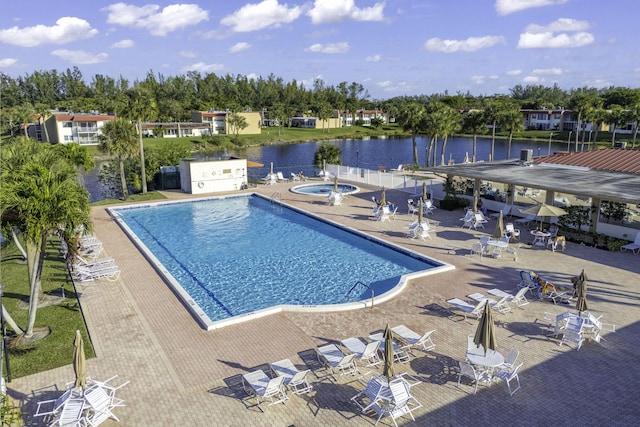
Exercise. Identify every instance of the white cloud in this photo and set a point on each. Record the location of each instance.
(256, 16)
(514, 72)
(469, 45)
(532, 79)
(561, 24)
(547, 72)
(80, 56)
(203, 68)
(67, 29)
(324, 11)
(253, 76)
(549, 40)
(373, 58)
(159, 22)
(398, 87)
(187, 54)
(342, 47)
(123, 44)
(505, 7)
(482, 79)
(239, 47)
(7, 62)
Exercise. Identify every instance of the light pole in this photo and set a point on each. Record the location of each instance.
(549, 152)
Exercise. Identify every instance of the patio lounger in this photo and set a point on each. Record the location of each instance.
(332, 358)
(465, 307)
(633, 247)
(111, 273)
(366, 353)
(517, 299)
(413, 339)
(294, 379)
(259, 384)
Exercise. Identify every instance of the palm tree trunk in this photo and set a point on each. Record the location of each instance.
(123, 179)
(415, 147)
(493, 139)
(34, 265)
(444, 145)
(509, 146)
(12, 324)
(17, 243)
(475, 139)
(143, 175)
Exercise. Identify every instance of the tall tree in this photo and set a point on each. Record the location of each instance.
(494, 111)
(474, 122)
(411, 119)
(118, 138)
(450, 124)
(41, 196)
(141, 106)
(512, 121)
(618, 117)
(582, 102)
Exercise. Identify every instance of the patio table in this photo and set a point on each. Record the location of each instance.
(539, 238)
(477, 356)
(498, 247)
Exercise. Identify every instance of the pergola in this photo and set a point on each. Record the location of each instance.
(549, 174)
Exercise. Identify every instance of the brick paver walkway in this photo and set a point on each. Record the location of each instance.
(182, 375)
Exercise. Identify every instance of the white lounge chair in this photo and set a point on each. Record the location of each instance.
(295, 177)
(280, 177)
(366, 353)
(84, 274)
(259, 384)
(332, 358)
(518, 299)
(400, 168)
(466, 308)
(633, 247)
(467, 370)
(294, 379)
(413, 339)
(428, 207)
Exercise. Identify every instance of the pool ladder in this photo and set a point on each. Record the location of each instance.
(276, 196)
(361, 283)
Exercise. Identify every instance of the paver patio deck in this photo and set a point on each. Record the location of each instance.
(182, 375)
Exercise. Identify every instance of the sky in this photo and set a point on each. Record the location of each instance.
(391, 47)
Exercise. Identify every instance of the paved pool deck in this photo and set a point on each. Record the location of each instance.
(182, 375)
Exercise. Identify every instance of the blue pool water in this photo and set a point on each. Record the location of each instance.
(324, 189)
(240, 254)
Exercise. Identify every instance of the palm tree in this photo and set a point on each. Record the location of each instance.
(411, 118)
(118, 139)
(327, 153)
(474, 122)
(512, 121)
(449, 123)
(618, 117)
(40, 195)
(493, 113)
(581, 102)
(600, 116)
(141, 106)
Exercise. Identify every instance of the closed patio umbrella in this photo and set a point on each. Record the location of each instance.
(486, 332)
(581, 291)
(335, 185)
(424, 191)
(388, 369)
(383, 199)
(79, 365)
(420, 214)
(499, 231)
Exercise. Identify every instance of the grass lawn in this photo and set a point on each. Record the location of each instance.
(63, 319)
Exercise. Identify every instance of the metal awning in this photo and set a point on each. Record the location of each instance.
(579, 181)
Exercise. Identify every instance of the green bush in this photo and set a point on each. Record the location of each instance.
(453, 203)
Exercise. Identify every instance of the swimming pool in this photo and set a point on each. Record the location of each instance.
(324, 189)
(239, 257)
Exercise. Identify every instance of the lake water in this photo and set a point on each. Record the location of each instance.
(365, 153)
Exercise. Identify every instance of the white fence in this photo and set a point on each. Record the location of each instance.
(389, 180)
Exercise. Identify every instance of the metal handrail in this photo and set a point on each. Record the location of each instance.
(276, 196)
(366, 286)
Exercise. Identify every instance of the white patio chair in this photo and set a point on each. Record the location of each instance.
(101, 404)
(372, 393)
(402, 402)
(71, 414)
(332, 358)
(428, 207)
(467, 370)
(468, 220)
(479, 221)
(510, 360)
(411, 207)
(294, 379)
(420, 231)
(414, 339)
(53, 406)
(518, 299)
(259, 384)
(295, 177)
(511, 232)
(508, 375)
(513, 251)
(572, 334)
